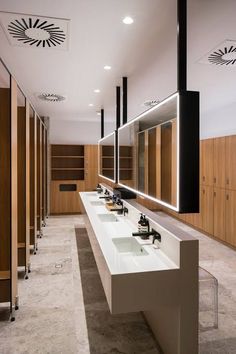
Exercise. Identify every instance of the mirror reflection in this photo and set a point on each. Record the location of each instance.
(106, 155)
(147, 153)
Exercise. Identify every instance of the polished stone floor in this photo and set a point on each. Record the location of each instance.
(62, 313)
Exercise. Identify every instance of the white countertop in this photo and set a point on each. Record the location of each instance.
(122, 263)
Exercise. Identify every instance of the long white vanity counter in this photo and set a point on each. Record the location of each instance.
(162, 282)
(123, 252)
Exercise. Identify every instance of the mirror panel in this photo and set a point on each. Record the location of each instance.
(149, 146)
(107, 157)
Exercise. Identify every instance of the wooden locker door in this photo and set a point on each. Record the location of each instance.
(219, 162)
(197, 217)
(207, 215)
(206, 162)
(91, 167)
(219, 213)
(230, 217)
(230, 162)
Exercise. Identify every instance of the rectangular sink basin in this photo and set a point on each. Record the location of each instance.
(107, 217)
(96, 203)
(129, 245)
(92, 194)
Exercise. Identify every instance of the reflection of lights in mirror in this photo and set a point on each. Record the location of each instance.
(149, 152)
(107, 157)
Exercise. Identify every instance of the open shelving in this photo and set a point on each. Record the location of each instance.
(126, 162)
(67, 162)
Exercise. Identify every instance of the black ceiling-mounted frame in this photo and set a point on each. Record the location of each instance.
(117, 107)
(102, 123)
(124, 100)
(181, 45)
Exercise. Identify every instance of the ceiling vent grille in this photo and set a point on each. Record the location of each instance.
(35, 31)
(150, 103)
(224, 54)
(51, 97)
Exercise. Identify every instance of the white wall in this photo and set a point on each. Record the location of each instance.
(219, 122)
(73, 132)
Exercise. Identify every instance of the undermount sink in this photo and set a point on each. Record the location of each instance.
(96, 203)
(129, 245)
(108, 217)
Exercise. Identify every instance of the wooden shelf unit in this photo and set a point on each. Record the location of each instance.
(67, 162)
(74, 168)
(107, 161)
(126, 162)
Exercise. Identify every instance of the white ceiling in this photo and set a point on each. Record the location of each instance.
(98, 37)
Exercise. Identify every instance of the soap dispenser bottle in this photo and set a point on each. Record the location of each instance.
(140, 222)
(99, 188)
(119, 204)
(144, 227)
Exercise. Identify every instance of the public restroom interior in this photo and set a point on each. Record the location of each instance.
(117, 177)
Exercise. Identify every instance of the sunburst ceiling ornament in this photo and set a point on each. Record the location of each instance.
(36, 32)
(51, 97)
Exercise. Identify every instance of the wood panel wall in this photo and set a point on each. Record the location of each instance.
(39, 176)
(5, 194)
(33, 182)
(21, 180)
(14, 214)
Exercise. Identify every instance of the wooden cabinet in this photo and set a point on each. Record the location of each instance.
(230, 152)
(65, 196)
(74, 169)
(91, 167)
(219, 213)
(217, 216)
(230, 217)
(219, 162)
(195, 219)
(206, 212)
(206, 162)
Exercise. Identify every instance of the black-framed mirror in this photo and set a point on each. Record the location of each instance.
(158, 153)
(107, 156)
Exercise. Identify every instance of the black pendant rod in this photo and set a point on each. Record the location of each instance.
(124, 98)
(102, 123)
(181, 45)
(117, 107)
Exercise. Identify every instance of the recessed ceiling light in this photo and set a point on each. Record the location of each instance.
(90, 104)
(128, 20)
(107, 67)
(98, 113)
(96, 90)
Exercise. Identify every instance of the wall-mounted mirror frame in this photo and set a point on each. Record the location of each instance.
(107, 157)
(186, 104)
